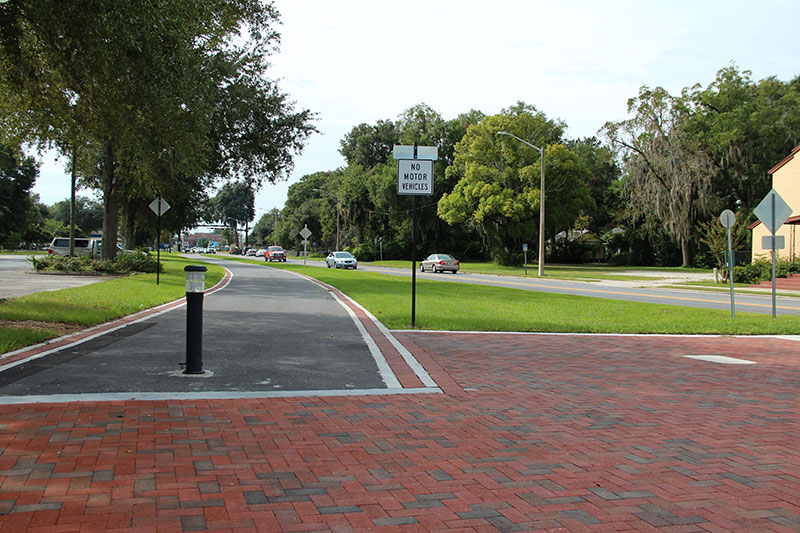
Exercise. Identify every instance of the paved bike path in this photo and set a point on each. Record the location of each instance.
(266, 330)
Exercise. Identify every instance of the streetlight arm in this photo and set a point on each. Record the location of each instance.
(523, 141)
(541, 199)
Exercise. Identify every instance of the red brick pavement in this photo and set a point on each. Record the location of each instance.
(533, 432)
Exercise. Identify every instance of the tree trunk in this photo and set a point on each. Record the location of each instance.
(111, 202)
(130, 227)
(685, 252)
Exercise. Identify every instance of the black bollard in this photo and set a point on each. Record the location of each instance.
(195, 285)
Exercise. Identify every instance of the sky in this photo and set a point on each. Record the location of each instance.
(360, 61)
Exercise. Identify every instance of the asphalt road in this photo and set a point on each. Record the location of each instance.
(754, 303)
(16, 279)
(268, 330)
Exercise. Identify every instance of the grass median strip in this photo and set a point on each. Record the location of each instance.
(69, 309)
(566, 272)
(468, 307)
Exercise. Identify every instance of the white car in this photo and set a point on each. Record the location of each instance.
(341, 260)
(261, 252)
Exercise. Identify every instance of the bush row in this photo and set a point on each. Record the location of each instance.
(125, 263)
(761, 270)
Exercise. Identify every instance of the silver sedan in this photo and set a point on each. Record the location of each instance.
(439, 263)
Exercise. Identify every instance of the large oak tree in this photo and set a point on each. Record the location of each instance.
(157, 91)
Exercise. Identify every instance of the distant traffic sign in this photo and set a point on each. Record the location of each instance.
(727, 218)
(780, 242)
(159, 206)
(305, 233)
(773, 211)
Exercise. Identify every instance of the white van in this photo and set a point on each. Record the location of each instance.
(83, 246)
(91, 247)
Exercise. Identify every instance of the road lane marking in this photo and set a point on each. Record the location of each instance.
(621, 293)
(725, 360)
(385, 371)
(409, 359)
(209, 395)
(597, 291)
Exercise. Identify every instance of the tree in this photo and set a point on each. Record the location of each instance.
(367, 145)
(497, 190)
(744, 127)
(17, 176)
(715, 236)
(182, 83)
(234, 205)
(600, 161)
(88, 214)
(265, 230)
(667, 180)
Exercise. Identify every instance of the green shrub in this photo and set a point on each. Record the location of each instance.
(123, 264)
(761, 270)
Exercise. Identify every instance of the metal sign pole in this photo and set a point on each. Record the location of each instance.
(730, 272)
(158, 243)
(413, 260)
(773, 256)
(414, 254)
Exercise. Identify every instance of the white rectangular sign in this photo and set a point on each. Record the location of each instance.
(427, 152)
(401, 151)
(766, 242)
(414, 177)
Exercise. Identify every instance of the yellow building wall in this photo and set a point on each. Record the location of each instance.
(786, 182)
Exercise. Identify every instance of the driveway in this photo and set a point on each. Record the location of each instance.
(17, 278)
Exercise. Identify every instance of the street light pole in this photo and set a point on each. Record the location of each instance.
(275, 241)
(541, 200)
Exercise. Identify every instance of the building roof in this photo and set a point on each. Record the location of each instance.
(786, 160)
(791, 220)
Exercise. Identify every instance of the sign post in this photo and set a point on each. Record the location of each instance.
(414, 178)
(305, 233)
(159, 206)
(728, 218)
(525, 254)
(773, 212)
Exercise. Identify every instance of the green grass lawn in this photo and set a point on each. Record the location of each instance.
(440, 306)
(96, 303)
(467, 307)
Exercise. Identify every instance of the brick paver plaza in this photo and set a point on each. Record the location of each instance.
(531, 432)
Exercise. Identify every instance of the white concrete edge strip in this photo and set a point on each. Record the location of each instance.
(704, 336)
(388, 376)
(149, 313)
(385, 371)
(410, 360)
(210, 395)
(725, 360)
